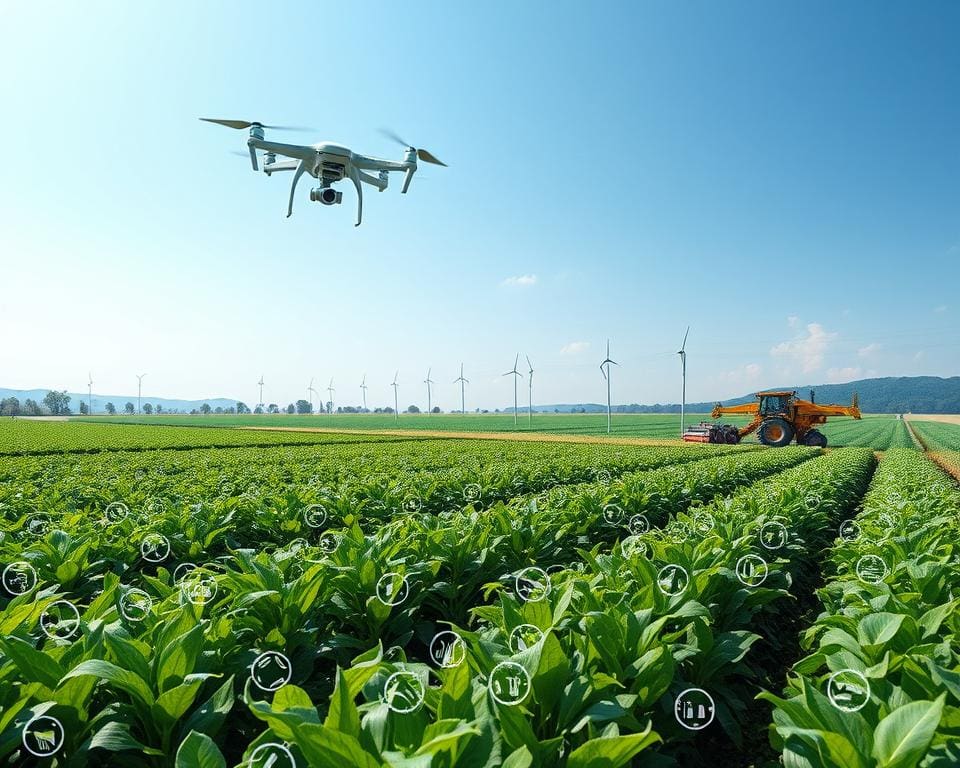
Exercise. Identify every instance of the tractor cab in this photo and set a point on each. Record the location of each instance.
(776, 403)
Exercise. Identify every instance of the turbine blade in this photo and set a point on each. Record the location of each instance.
(684, 345)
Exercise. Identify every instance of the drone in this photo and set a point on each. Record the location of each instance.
(328, 163)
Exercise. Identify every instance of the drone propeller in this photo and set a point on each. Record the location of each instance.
(242, 124)
(422, 154)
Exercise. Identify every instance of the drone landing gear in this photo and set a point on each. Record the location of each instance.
(293, 187)
(355, 178)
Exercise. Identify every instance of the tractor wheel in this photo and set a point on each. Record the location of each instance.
(775, 433)
(732, 436)
(815, 438)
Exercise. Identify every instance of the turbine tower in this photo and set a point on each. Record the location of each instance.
(429, 382)
(462, 381)
(310, 393)
(396, 400)
(89, 394)
(363, 389)
(683, 378)
(530, 391)
(606, 374)
(260, 404)
(139, 389)
(330, 391)
(516, 375)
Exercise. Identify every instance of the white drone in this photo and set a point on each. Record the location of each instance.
(328, 163)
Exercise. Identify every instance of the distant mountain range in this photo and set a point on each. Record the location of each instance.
(100, 401)
(904, 394)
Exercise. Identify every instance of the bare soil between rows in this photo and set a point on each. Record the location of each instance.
(529, 437)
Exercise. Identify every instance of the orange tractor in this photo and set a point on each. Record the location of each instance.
(778, 418)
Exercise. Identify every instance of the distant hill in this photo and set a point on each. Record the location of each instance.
(100, 401)
(903, 394)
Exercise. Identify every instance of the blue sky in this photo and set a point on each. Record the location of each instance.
(783, 177)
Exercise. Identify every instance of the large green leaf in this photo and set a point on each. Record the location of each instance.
(35, 666)
(122, 678)
(611, 751)
(903, 737)
(199, 751)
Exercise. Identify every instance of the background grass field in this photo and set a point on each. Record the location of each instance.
(880, 432)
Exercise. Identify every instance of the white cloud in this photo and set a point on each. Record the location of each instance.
(793, 321)
(840, 375)
(870, 349)
(520, 281)
(941, 309)
(807, 348)
(575, 348)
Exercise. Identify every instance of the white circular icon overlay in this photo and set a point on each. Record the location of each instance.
(849, 530)
(848, 690)
(673, 579)
(509, 683)
(315, 516)
(270, 671)
(871, 569)
(447, 649)
(199, 588)
(532, 584)
(182, 570)
(613, 515)
(471, 492)
(135, 605)
(271, 755)
(116, 511)
(19, 578)
(155, 547)
(524, 636)
(773, 535)
(43, 736)
(392, 588)
(694, 709)
(752, 570)
(60, 620)
(403, 692)
(412, 504)
(638, 524)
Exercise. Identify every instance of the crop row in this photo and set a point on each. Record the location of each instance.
(19, 437)
(375, 480)
(942, 441)
(878, 432)
(316, 612)
(880, 685)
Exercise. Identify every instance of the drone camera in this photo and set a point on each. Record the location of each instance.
(326, 195)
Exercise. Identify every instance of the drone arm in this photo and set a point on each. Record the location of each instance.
(286, 165)
(293, 187)
(374, 181)
(376, 164)
(296, 151)
(355, 178)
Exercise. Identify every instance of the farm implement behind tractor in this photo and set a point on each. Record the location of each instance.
(777, 418)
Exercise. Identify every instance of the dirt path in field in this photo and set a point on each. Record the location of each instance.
(528, 437)
(944, 462)
(946, 418)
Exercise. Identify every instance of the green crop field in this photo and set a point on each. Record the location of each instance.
(942, 440)
(879, 432)
(172, 596)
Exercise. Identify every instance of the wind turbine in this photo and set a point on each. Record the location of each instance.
(90, 394)
(462, 381)
(429, 382)
(683, 378)
(139, 388)
(260, 404)
(606, 374)
(331, 390)
(530, 391)
(311, 391)
(396, 401)
(363, 388)
(516, 374)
